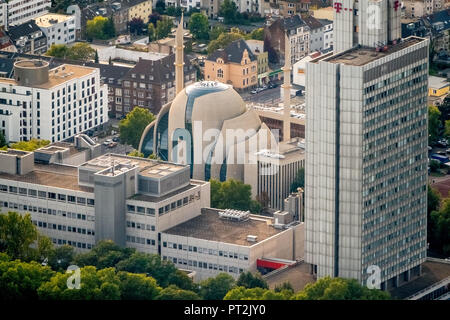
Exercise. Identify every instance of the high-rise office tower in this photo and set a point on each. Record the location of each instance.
(366, 159)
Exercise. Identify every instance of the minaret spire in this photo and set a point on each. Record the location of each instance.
(179, 58)
(287, 90)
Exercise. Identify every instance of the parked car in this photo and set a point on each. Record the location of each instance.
(273, 85)
(116, 139)
(107, 142)
(254, 91)
(112, 145)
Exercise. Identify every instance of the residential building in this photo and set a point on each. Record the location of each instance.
(293, 7)
(298, 34)
(366, 166)
(138, 9)
(320, 34)
(51, 104)
(59, 28)
(4, 14)
(150, 84)
(152, 206)
(262, 58)
(74, 10)
(420, 8)
(327, 35)
(235, 65)
(21, 11)
(6, 43)
(28, 38)
(438, 90)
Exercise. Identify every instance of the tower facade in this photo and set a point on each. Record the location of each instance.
(179, 58)
(287, 90)
(366, 160)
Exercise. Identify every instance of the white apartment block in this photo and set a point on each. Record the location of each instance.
(420, 8)
(51, 104)
(366, 165)
(21, 11)
(59, 28)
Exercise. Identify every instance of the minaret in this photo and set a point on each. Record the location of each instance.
(287, 90)
(179, 58)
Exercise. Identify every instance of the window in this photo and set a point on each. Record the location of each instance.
(61, 197)
(12, 189)
(71, 199)
(131, 208)
(81, 200)
(42, 194)
(90, 202)
(150, 211)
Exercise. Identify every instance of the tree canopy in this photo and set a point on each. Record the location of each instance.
(101, 28)
(242, 293)
(233, 194)
(216, 288)
(440, 228)
(299, 181)
(199, 26)
(17, 233)
(172, 292)
(251, 280)
(339, 289)
(132, 127)
(223, 40)
(434, 123)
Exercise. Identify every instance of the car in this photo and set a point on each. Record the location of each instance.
(441, 144)
(254, 91)
(116, 139)
(441, 152)
(112, 144)
(107, 142)
(272, 85)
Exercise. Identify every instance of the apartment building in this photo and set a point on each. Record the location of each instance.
(262, 57)
(51, 104)
(21, 11)
(235, 65)
(4, 14)
(28, 38)
(366, 165)
(420, 8)
(59, 28)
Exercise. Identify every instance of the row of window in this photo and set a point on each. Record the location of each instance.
(134, 239)
(163, 210)
(32, 193)
(212, 252)
(60, 213)
(141, 226)
(204, 265)
(81, 245)
(61, 227)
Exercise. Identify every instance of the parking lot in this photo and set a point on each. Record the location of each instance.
(115, 147)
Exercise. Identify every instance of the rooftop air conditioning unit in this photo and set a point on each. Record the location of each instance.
(251, 238)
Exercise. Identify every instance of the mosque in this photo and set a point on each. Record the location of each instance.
(209, 127)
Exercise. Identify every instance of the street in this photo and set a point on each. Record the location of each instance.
(270, 96)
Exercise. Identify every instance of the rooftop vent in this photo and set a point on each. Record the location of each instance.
(235, 215)
(251, 238)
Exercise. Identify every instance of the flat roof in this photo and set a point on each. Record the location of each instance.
(147, 198)
(209, 226)
(49, 19)
(14, 152)
(360, 56)
(147, 167)
(52, 175)
(437, 82)
(57, 76)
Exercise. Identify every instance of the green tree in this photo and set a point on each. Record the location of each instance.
(328, 288)
(216, 288)
(82, 52)
(133, 125)
(199, 26)
(105, 254)
(257, 34)
(160, 6)
(31, 145)
(284, 286)
(172, 292)
(17, 233)
(58, 51)
(100, 28)
(447, 129)
(441, 228)
(229, 11)
(20, 280)
(163, 28)
(96, 57)
(2, 140)
(163, 271)
(434, 165)
(223, 40)
(299, 181)
(216, 32)
(242, 293)
(135, 153)
(61, 257)
(251, 280)
(151, 32)
(433, 123)
(137, 286)
(233, 194)
(94, 285)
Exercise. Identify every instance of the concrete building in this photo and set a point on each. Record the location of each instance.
(4, 14)
(235, 65)
(229, 241)
(420, 8)
(145, 204)
(51, 104)
(298, 34)
(74, 10)
(21, 11)
(366, 165)
(59, 28)
(28, 38)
